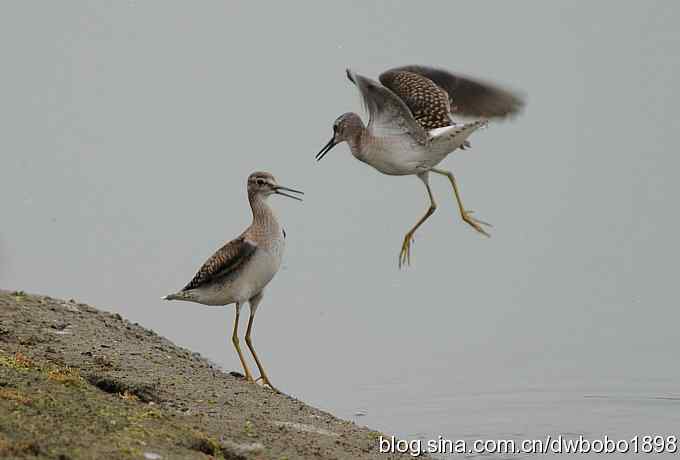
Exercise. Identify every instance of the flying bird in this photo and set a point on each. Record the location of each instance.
(411, 127)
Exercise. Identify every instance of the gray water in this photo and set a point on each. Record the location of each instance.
(130, 128)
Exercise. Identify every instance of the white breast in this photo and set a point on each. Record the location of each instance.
(395, 156)
(260, 269)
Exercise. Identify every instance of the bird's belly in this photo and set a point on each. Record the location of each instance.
(398, 160)
(247, 282)
(257, 273)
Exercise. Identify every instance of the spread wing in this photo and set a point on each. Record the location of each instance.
(469, 97)
(388, 115)
(428, 103)
(226, 260)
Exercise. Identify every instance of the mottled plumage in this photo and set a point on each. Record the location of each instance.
(428, 103)
(469, 96)
(226, 260)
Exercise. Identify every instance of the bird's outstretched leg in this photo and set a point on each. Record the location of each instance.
(464, 213)
(234, 340)
(405, 254)
(254, 302)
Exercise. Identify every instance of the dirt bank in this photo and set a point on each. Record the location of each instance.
(76, 382)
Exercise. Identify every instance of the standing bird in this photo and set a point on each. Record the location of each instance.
(411, 127)
(239, 271)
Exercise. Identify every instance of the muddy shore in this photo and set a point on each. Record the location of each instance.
(77, 382)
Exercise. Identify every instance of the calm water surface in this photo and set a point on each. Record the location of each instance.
(506, 406)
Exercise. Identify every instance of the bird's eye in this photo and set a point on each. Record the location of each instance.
(260, 182)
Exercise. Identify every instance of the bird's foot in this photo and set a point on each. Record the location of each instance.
(475, 223)
(466, 145)
(405, 254)
(265, 381)
(248, 377)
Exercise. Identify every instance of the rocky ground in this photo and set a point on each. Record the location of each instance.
(76, 382)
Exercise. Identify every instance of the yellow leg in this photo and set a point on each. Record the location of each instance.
(234, 340)
(465, 214)
(263, 374)
(405, 254)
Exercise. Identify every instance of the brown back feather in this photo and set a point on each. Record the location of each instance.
(469, 96)
(428, 103)
(226, 260)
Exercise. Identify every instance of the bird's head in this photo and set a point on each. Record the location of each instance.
(346, 128)
(264, 184)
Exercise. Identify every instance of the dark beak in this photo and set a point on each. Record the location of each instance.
(278, 191)
(326, 148)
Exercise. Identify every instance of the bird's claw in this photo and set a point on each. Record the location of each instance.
(476, 223)
(405, 254)
(265, 381)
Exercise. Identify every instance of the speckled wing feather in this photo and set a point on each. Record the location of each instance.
(226, 260)
(388, 115)
(469, 97)
(428, 103)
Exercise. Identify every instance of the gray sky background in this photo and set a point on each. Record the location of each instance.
(131, 126)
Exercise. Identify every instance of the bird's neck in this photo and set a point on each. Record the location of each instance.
(358, 140)
(263, 215)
